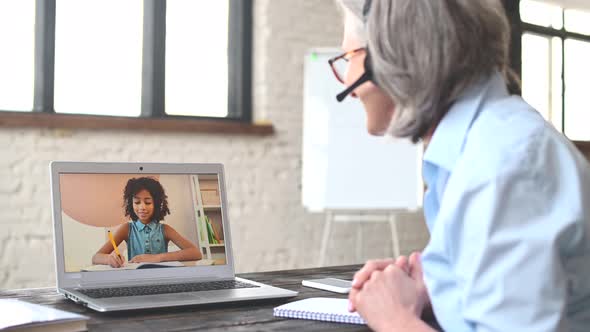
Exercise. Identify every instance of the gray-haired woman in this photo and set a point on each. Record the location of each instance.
(508, 199)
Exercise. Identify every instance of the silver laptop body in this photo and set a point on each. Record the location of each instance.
(74, 234)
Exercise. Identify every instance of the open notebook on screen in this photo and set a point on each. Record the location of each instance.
(126, 232)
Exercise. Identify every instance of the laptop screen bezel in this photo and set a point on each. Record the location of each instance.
(131, 277)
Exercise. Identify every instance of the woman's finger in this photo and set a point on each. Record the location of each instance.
(352, 299)
(416, 266)
(402, 263)
(365, 272)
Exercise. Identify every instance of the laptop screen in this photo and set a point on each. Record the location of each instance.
(153, 220)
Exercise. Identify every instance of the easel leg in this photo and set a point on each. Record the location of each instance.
(394, 236)
(325, 238)
(359, 242)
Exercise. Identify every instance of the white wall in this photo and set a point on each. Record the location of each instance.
(182, 214)
(269, 227)
(81, 242)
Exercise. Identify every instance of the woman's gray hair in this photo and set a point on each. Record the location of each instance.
(426, 53)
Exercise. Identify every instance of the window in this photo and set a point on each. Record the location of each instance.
(555, 49)
(98, 65)
(17, 22)
(185, 56)
(133, 58)
(541, 73)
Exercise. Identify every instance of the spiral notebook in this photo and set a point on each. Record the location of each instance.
(319, 308)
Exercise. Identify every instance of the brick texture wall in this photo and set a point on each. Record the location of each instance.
(270, 228)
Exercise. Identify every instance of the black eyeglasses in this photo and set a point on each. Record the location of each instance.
(339, 65)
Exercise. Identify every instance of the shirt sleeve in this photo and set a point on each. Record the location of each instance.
(508, 265)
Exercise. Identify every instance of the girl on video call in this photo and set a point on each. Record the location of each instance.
(147, 239)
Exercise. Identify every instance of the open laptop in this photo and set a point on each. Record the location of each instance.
(186, 232)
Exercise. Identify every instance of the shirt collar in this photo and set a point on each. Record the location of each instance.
(448, 140)
(140, 226)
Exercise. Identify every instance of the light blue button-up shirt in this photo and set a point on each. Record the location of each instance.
(508, 209)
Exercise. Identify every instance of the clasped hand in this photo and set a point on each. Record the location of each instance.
(388, 288)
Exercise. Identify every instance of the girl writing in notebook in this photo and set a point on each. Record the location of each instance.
(147, 238)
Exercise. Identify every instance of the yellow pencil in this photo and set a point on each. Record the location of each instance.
(114, 244)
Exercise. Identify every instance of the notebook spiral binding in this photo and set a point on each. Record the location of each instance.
(329, 317)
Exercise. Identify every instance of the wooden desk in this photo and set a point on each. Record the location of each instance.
(244, 316)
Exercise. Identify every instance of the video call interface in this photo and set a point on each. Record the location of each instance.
(115, 222)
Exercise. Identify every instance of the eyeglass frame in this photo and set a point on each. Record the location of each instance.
(365, 77)
(346, 56)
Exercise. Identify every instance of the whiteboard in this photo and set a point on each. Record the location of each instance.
(343, 166)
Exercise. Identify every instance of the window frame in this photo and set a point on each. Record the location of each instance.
(549, 32)
(153, 74)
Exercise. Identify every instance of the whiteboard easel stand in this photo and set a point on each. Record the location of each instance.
(389, 216)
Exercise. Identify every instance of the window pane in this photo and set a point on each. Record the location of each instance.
(98, 57)
(17, 32)
(577, 21)
(539, 13)
(196, 57)
(536, 72)
(577, 71)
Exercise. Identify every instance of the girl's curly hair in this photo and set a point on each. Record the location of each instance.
(155, 189)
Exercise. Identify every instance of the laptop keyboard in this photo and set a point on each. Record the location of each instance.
(164, 289)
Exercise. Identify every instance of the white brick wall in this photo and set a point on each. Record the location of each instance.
(270, 228)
